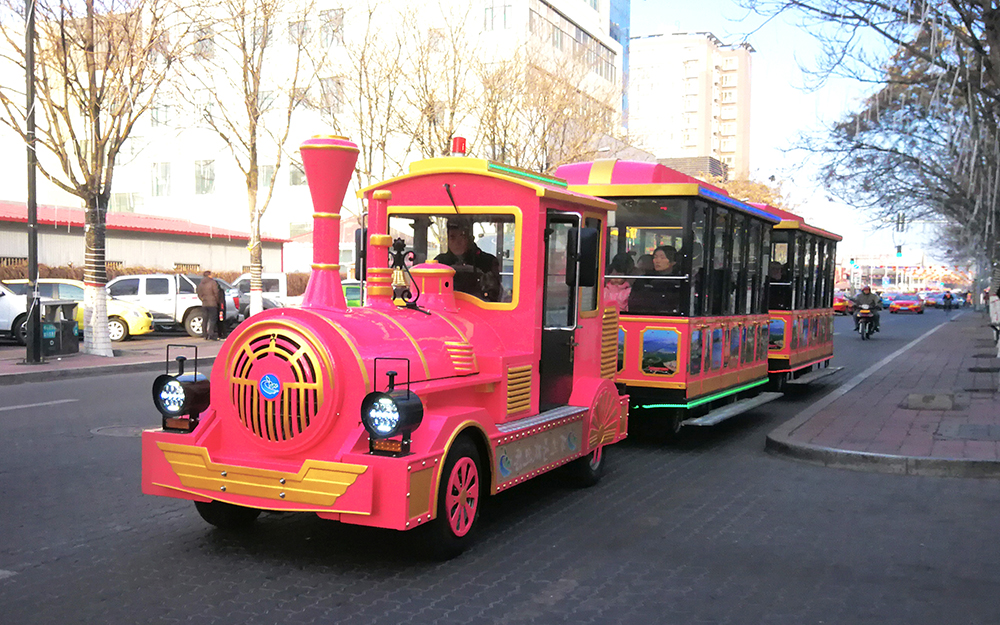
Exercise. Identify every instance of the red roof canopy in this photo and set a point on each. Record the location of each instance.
(17, 212)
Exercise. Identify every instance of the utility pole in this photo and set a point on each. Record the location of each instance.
(33, 355)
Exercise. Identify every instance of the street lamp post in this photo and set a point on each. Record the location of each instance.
(33, 354)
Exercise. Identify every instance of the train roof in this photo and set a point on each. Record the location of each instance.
(791, 221)
(615, 178)
(543, 185)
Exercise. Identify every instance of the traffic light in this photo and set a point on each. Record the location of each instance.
(852, 261)
(900, 222)
(899, 251)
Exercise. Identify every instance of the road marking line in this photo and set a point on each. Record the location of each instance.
(844, 388)
(5, 574)
(44, 403)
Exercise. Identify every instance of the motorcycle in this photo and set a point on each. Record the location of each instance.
(866, 322)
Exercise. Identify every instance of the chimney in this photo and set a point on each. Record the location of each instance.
(329, 163)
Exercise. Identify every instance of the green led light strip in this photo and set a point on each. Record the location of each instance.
(526, 174)
(705, 400)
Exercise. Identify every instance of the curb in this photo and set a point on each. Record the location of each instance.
(9, 379)
(779, 440)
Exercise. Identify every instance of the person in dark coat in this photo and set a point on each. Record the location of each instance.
(476, 272)
(209, 292)
(655, 294)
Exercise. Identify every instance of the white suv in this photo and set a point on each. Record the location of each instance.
(171, 298)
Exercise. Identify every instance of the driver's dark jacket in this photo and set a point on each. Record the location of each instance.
(489, 287)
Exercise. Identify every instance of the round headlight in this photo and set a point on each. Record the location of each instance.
(387, 414)
(383, 415)
(171, 397)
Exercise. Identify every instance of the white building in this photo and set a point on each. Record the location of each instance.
(175, 165)
(689, 96)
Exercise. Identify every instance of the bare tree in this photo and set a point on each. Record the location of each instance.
(440, 75)
(747, 190)
(249, 109)
(98, 67)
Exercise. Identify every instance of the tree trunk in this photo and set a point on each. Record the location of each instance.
(256, 265)
(97, 339)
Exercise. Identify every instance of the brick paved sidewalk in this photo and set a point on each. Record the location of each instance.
(141, 353)
(931, 410)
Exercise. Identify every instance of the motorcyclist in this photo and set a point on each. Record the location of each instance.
(874, 303)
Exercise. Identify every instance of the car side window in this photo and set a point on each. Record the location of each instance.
(157, 286)
(124, 287)
(47, 290)
(186, 286)
(70, 291)
(269, 285)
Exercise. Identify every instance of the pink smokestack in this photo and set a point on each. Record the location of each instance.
(329, 163)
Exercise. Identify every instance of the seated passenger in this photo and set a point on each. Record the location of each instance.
(617, 289)
(476, 272)
(656, 293)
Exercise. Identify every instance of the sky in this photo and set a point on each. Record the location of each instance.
(781, 110)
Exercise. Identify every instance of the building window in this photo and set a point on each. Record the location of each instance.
(333, 93)
(298, 32)
(499, 15)
(728, 112)
(115, 264)
(729, 95)
(204, 103)
(266, 173)
(187, 267)
(296, 175)
(204, 177)
(125, 202)
(204, 45)
(264, 100)
(161, 179)
(261, 37)
(729, 63)
(13, 261)
(729, 128)
(332, 29)
(160, 115)
(594, 4)
(728, 80)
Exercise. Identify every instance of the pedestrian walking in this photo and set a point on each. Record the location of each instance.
(208, 293)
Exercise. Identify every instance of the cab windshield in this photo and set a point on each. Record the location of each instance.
(480, 248)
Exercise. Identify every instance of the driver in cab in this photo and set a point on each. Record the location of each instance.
(873, 301)
(476, 272)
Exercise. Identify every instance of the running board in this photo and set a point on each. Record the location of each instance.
(541, 418)
(812, 376)
(721, 414)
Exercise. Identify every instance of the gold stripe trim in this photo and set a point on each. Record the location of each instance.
(600, 171)
(326, 215)
(325, 266)
(380, 240)
(382, 194)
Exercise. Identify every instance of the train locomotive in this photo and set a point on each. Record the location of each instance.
(465, 372)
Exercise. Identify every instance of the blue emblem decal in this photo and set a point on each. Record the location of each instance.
(504, 463)
(270, 386)
(572, 442)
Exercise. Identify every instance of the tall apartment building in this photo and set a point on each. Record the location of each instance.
(689, 96)
(621, 29)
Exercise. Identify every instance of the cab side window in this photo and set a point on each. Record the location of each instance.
(125, 287)
(157, 286)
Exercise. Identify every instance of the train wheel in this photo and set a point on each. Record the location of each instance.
(587, 471)
(226, 516)
(459, 500)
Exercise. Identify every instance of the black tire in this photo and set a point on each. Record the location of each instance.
(118, 327)
(587, 471)
(20, 330)
(451, 533)
(194, 323)
(226, 516)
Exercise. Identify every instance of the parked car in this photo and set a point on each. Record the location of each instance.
(171, 298)
(13, 314)
(273, 285)
(842, 304)
(887, 299)
(352, 292)
(907, 302)
(125, 319)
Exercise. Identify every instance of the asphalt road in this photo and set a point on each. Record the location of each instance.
(707, 530)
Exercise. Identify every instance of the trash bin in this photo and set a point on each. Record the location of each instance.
(60, 337)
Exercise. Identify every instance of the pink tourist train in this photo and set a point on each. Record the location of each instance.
(484, 355)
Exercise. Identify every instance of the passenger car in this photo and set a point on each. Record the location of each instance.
(171, 298)
(125, 319)
(842, 305)
(887, 299)
(932, 300)
(12, 315)
(907, 302)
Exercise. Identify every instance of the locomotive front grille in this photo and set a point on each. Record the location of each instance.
(285, 404)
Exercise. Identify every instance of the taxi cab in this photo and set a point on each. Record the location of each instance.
(125, 319)
(907, 302)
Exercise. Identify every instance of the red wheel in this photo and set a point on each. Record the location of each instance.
(461, 488)
(461, 500)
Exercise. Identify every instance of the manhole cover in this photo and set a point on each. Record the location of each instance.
(128, 431)
(984, 369)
